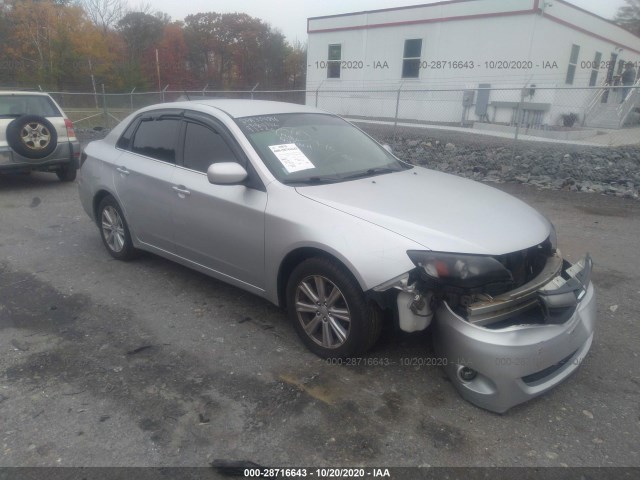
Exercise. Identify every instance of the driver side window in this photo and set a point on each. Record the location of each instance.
(204, 146)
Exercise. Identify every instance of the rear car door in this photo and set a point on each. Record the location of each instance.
(143, 177)
(220, 227)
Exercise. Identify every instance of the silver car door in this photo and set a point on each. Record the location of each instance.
(144, 179)
(220, 227)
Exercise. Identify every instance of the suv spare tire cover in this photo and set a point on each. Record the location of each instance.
(32, 136)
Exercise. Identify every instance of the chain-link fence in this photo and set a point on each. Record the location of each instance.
(595, 115)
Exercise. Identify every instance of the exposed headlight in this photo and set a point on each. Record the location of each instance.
(459, 269)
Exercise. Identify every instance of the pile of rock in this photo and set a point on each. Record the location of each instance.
(614, 170)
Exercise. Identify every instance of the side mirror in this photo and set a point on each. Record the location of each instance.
(226, 173)
(387, 147)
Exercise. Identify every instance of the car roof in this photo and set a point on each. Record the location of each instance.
(245, 108)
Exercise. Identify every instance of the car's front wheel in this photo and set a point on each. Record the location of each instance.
(330, 312)
(114, 230)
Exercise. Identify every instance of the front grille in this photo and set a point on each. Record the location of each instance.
(527, 264)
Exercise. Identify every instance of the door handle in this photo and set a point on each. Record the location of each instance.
(181, 189)
(123, 170)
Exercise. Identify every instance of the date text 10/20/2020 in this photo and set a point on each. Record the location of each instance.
(444, 64)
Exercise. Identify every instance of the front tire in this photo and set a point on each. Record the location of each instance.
(114, 230)
(329, 311)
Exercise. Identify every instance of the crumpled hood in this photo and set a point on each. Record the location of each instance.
(442, 212)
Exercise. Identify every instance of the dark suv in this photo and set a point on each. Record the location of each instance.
(35, 134)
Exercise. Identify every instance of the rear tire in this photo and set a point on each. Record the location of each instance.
(330, 313)
(114, 230)
(67, 173)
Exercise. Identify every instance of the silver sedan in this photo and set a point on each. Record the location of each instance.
(304, 209)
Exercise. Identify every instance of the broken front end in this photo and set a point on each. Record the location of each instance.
(507, 328)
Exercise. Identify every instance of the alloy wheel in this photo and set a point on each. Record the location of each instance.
(113, 229)
(35, 136)
(322, 311)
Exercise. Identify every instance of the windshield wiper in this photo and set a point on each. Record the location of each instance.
(312, 180)
(370, 172)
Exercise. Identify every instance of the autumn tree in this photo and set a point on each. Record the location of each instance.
(49, 42)
(172, 56)
(628, 16)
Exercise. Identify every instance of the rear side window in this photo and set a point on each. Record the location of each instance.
(16, 105)
(204, 146)
(156, 138)
(125, 140)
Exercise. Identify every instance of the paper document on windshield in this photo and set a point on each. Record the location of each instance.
(291, 157)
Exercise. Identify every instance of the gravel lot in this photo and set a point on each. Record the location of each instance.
(148, 363)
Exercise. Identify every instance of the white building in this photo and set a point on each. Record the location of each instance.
(552, 47)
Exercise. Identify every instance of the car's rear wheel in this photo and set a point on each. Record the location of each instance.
(114, 230)
(67, 173)
(32, 136)
(330, 312)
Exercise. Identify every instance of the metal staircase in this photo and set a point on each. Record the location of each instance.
(605, 111)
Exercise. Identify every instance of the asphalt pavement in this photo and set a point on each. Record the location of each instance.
(147, 363)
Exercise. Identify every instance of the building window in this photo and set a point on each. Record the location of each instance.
(334, 57)
(411, 58)
(573, 61)
(594, 69)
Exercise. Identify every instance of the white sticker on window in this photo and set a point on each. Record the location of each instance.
(291, 157)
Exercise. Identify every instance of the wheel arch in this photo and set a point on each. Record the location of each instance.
(97, 198)
(299, 255)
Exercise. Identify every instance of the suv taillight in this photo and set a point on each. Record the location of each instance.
(69, 124)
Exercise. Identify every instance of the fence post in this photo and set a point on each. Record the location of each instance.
(105, 115)
(131, 98)
(522, 93)
(205, 89)
(253, 90)
(317, 90)
(395, 121)
(164, 90)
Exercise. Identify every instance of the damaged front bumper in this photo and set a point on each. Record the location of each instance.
(515, 347)
(504, 350)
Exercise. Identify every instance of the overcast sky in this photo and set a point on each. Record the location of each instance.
(290, 16)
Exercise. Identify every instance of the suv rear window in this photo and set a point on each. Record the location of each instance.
(16, 105)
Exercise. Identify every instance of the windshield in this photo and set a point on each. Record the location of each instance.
(17, 105)
(316, 148)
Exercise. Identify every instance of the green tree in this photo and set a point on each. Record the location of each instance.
(140, 33)
(628, 16)
(235, 50)
(205, 53)
(296, 66)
